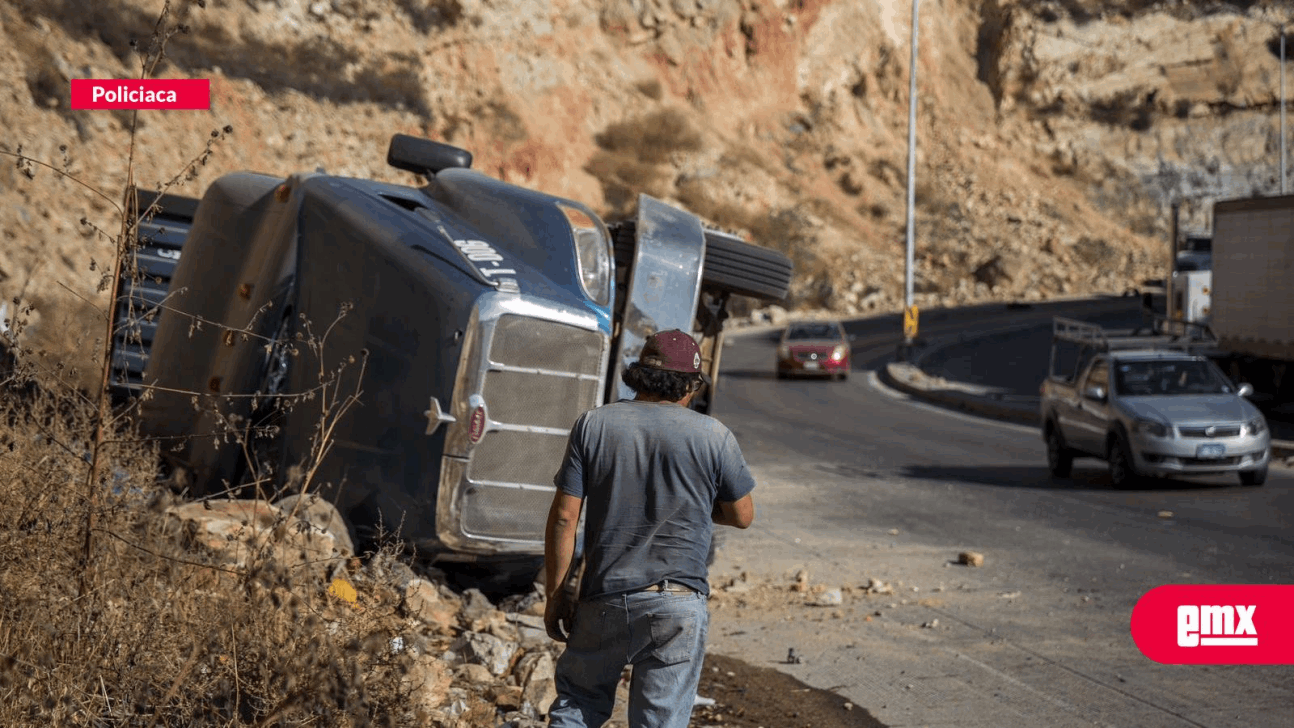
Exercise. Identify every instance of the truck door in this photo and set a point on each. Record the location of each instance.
(664, 282)
(1092, 416)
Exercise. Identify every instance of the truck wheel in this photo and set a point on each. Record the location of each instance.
(1254, 477)
(736, 266)
(1123, 474)
(1060, 459)
(731, 264)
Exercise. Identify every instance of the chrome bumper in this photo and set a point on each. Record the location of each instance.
(1180, 456)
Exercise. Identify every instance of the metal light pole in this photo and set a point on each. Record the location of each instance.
(1282, 129)
(909, 311)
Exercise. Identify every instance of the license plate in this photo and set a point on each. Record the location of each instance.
(810, 365)
(1212, 450)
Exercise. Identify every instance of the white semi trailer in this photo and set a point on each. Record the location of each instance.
(1252, 312)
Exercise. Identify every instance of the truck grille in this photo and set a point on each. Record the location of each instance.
(537, 400)
(138, 301)
(541, 377)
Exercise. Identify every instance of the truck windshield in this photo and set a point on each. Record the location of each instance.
(1167, 377)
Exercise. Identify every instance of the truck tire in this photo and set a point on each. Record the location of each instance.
(1060, 459)
(731, 264)
(1123, 471)
(1254, 477)
(738, 267)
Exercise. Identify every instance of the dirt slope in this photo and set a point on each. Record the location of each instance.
(1051, 135)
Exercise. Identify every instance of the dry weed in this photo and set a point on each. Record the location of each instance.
(109, 616)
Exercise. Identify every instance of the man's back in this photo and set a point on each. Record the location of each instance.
(650, 474)
(652, 478)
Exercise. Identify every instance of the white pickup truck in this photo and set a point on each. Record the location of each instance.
(1148, 405)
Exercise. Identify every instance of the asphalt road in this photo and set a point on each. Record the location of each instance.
(859, 482)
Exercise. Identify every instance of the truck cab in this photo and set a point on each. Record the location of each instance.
(1190, 284)
(416, 355)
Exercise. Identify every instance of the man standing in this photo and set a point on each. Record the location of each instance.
(653, 477)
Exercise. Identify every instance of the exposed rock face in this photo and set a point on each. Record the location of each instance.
(1171, 102)
(1038, 123)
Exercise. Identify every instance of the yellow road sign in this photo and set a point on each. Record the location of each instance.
(910, 322)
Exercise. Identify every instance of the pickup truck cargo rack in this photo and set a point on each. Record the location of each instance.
(1195, 338)
(1093, 339)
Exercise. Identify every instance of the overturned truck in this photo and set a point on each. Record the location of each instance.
(472, 320)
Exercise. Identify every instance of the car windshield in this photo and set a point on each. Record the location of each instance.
(812, 331)
(1168, 377)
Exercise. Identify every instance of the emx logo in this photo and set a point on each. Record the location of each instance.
(1216, 624)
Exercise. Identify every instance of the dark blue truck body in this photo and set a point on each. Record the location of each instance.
(437, 341)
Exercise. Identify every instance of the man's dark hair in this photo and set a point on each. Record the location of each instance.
(662, 383)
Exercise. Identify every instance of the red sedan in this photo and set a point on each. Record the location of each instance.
(817, 348)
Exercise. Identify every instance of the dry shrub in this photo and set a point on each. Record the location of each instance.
(651, 88)
(634, 155)
(110, 616)
(624, 177)
(108, 619)
(651, 138)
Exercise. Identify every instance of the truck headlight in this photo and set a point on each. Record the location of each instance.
(1255, 426)
(839, 352)
(1151, 427)
(592, 253)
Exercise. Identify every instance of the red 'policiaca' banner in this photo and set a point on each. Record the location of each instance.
(1216, 624)
(151, 93)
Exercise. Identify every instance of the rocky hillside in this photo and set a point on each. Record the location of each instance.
(1051, 134)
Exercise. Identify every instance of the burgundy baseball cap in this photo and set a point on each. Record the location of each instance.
(673, 351)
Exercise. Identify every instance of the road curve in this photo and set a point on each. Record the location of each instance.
(859, 482)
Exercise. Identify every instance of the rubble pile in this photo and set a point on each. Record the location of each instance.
(474, 659)
(471, 656)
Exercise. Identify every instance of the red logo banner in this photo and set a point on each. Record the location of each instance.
(150, 93)
(1216, 624)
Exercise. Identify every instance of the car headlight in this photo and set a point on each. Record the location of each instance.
(1255, 426)
(784, 351)
(1151, 427)
(592, 252)
(839, 352)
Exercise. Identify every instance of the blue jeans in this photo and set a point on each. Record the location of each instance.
(662, 634)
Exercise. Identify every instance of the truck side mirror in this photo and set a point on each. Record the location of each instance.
(1245, 390)
(1095, 392)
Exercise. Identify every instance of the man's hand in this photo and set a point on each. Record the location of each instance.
(554, 624)
(559, 552)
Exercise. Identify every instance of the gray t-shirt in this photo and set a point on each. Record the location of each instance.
(650, 474)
